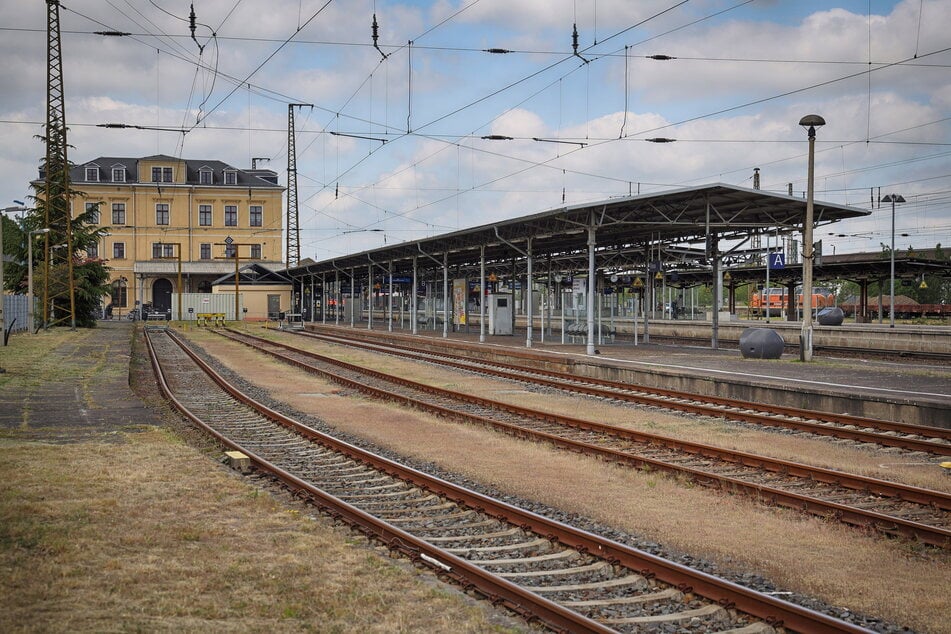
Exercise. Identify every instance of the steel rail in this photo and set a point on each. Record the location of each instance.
(445, 564)
(772, 610)
(700, 404)
(847, 514)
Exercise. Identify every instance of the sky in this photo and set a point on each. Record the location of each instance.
(391, 144)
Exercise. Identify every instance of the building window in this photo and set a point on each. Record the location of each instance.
(161, 174)
(92, 251)
(118, 174)
(92, 174)
(161, 213)
(230, 250)
(118, 251)
(205, 251)
(204, 215)
(118, 213)
(257, 215)
(231, 177)
(231, 215)
(92, 209)
(162, 250)
(205, 177)
(255, 251)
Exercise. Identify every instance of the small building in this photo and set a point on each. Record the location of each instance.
(263, 293)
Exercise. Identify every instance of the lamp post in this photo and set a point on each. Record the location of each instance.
(29, 277)
(810, 122)
(178, 258)
(892, 198)
(121, 286)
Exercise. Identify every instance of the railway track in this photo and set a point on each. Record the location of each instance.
(859, 429)
(571, 580)
(888, 507)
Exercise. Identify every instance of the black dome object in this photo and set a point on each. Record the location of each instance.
(761, 343)
(830, 316)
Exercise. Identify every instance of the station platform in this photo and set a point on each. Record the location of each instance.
(910, 392)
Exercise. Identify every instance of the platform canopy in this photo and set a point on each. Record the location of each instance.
(626, 230)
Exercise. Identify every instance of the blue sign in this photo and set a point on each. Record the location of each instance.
(776, 261)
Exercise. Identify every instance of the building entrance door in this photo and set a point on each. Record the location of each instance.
(162, 295)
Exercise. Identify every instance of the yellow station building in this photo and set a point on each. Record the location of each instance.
(164, 213)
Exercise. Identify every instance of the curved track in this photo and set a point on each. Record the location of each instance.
(571, 580)
(889, 507)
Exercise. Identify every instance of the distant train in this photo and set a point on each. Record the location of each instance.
(902, 310)
(774, 301)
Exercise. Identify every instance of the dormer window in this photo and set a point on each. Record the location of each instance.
(92, 174)
(161, 174)
(231, 177)
(206, 176)
(118, 174)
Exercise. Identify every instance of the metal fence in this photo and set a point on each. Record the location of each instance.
(15, 313)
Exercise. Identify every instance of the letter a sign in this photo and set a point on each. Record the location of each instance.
(777, 261)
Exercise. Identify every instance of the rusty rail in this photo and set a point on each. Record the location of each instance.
(772, 610)
(936, 536)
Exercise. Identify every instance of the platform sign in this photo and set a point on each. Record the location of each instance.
(776, 261)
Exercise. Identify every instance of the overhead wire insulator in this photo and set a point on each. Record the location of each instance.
(574, 43)
(497, 51)
(662, 58)
(191, 26)
(376, 37)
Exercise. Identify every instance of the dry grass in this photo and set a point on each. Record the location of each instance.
(837, 564)
(148, 534)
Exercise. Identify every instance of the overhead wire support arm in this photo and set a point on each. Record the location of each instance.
(357, 136)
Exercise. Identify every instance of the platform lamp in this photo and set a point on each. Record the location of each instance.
(810, 122)
(892, 198)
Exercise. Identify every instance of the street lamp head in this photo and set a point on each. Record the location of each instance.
(38, 231)
(811, 122)
(892, 198)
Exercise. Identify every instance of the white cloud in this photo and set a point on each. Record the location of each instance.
(425, 184)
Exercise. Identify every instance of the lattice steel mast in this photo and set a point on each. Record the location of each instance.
(293, 212)
(60, 293)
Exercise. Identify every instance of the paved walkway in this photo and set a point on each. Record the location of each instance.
(75, 407)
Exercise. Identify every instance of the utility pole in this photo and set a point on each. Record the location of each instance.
(58, 216)
(292, 250)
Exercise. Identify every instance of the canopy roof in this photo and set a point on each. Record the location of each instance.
(625, 230)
